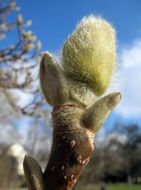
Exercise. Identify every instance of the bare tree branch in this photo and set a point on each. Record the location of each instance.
(21, 59)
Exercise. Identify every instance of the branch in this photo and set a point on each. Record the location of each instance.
(20, 58)
(88, 60)
(95, 116)
(72, 144)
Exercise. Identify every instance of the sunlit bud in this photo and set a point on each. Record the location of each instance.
(28, 23)
(89, 54)
(38, 45)
(28, 36)
(28, 47)
(20, 20)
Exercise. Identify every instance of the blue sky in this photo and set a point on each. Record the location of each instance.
(54, 20)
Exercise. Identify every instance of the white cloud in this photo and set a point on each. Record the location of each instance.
(130, 80)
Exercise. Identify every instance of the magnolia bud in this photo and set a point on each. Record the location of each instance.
(19, 20)
(28, 47)
(38, 45)
(89, 54)
(28, 23)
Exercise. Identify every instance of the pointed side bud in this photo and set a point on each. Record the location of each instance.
(33, 174)
(53, 82)
(96, 115)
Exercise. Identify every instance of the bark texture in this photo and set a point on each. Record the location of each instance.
(74, 128)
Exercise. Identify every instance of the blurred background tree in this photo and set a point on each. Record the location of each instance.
(19, 61)
(20, 95)
(117, 158)
(117, 155)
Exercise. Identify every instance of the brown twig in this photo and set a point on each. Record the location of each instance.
(72, 144)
